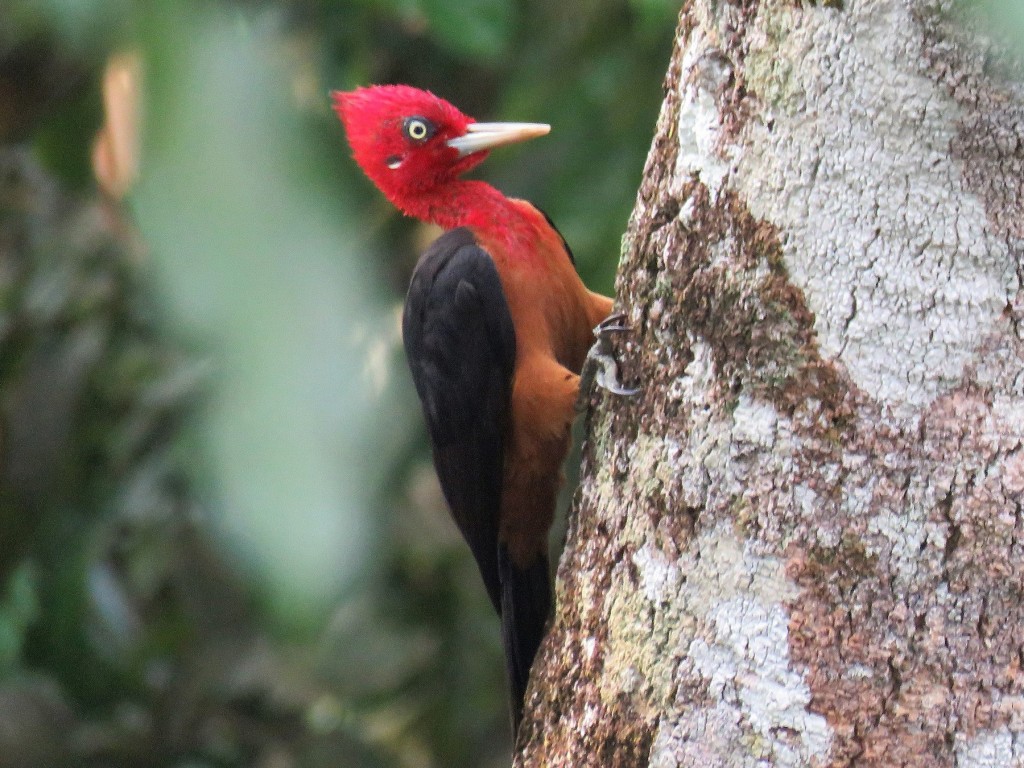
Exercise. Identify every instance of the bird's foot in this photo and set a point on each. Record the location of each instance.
(600, 367)
(615, 322)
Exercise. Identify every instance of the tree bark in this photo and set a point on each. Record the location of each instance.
(803, 543)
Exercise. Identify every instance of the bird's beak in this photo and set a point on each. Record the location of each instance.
(480, 136)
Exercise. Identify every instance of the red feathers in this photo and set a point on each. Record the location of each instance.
(496, 325)
(399, 136)
(414, 146)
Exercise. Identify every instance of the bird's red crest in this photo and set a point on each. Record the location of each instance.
(398, 136)
(414, 146)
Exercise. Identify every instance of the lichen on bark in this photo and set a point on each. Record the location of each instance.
(802, 544)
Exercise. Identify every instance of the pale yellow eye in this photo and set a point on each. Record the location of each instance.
(418, 129)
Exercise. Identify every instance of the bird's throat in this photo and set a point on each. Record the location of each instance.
(469, 203)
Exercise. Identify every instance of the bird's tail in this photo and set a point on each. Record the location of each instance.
(525, 606)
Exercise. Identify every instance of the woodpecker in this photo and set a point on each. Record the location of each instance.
(496, 327)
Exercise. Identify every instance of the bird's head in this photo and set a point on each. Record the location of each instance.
(409, 141)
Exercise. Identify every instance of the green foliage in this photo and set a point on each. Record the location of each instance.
(1003, 20)
(478, 30)
(18, 609)
(220, 538)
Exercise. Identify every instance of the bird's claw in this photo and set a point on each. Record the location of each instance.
(614, 323)
(608, 378)
(600, 366)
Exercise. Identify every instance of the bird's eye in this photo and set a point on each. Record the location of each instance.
(418, 129)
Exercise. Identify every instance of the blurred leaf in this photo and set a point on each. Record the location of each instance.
(480, 29)
(19, 606)
(1008, 18)
(171, 558)
(1003, 19)
(656, 14)
(260, 266)
(85, 26)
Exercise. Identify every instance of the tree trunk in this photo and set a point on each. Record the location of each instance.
(803, 543)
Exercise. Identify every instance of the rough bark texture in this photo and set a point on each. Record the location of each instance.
(803, 543)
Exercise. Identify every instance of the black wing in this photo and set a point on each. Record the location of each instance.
(461, 347)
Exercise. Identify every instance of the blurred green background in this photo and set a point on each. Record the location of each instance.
(221, 539)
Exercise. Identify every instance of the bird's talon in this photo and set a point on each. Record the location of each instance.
(613, 386)
(615, 322)
(600, 368)
(607, 377)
